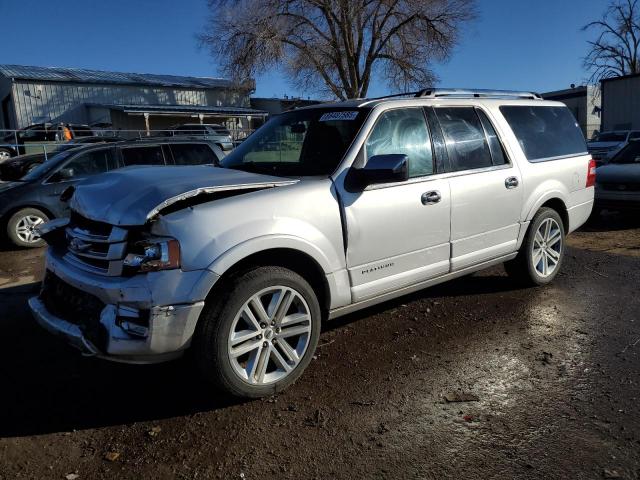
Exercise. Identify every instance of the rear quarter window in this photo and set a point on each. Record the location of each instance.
(193, 154)
(545, 132)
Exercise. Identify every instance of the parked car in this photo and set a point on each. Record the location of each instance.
(218, 134)
(606, 144)
(322, 211)
(35, 198)
(40, 134)
(17, 167)
(618, 182)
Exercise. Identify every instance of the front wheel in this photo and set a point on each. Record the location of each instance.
(260, 334)
(22, 227)
(542, 250)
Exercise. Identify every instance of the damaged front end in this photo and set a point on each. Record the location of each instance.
(114, 288)
(114, 295)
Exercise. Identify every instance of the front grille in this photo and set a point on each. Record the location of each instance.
(70, 303)
(621, 187)
(94, 246)
(75, 306)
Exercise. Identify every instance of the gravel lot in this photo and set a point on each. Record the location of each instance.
(550, 379)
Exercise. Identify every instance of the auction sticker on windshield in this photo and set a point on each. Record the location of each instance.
(328, 117)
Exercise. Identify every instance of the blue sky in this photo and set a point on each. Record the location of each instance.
(515, 44)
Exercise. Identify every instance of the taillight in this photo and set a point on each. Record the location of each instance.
(591, 174)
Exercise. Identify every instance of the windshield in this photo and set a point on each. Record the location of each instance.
(47, 167)
(299, 143)
(611, 137)
(629, 154)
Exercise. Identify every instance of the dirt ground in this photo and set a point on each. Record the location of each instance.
(550, 377)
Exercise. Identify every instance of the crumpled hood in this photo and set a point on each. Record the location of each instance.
(133, 195)
(618, 173)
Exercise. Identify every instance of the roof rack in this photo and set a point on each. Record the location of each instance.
(476, 93)
(394, 95)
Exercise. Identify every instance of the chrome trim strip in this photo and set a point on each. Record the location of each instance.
(338, 312)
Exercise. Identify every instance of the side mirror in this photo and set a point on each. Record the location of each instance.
(390, 168)
(62, 175)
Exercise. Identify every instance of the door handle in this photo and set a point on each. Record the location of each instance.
(429, 198)
(511, 182)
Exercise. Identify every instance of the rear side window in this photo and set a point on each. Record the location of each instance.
(193, 154)
(466, 142)
(142, 156)
(545, 133)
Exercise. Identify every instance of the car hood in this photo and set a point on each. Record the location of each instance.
(603, 144)
(618, 173)
(134, 195)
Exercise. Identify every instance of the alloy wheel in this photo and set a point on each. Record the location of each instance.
(269, 335)
(26, 228)
(547, 247)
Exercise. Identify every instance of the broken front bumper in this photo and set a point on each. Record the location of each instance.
(142, 319)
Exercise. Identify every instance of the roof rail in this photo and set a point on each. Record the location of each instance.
(394, 95)
(475, 93)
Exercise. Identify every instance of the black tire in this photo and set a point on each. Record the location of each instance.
(522, 268)
(211, 342)
(17, 220)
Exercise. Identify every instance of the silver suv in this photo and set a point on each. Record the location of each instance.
(323, 211)
(217, 134)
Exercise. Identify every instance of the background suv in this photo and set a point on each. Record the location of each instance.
(34, 198)
(618, 185)
(212, 132)
(606, 144)
(322, 211)
(17, 167)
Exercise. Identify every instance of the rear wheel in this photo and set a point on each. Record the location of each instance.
(542, 251)
(22, 227)
(260, 334)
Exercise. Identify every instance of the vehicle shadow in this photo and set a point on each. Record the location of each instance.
(49, 387)
(490, 281)
(612, 221)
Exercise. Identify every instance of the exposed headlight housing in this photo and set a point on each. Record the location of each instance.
(154, 254)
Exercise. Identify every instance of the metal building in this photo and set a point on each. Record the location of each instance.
(584, 103)
(122, 101)
(621, 103)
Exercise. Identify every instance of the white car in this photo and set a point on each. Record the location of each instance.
(322, 211)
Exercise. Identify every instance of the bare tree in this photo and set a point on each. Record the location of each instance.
(338, 46)
(614, 52)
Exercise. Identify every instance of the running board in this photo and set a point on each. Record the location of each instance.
(338, 312)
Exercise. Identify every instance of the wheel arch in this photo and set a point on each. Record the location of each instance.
(559, 206)
(294, 259)
(556, 201)
(11, 211)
